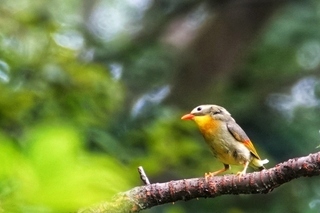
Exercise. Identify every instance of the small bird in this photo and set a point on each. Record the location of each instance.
(226, 139)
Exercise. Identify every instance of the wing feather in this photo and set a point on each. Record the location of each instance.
(238, 133)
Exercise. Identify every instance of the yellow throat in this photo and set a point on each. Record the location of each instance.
(207, 125)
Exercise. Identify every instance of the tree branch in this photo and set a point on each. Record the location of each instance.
(263, 182)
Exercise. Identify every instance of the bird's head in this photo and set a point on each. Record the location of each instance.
(207, 111)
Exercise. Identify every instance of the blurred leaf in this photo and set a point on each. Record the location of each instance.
(55, 173)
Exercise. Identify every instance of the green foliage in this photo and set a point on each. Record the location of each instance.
(50, 99)
(54, 173)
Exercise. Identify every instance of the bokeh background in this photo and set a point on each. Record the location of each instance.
(92, 89)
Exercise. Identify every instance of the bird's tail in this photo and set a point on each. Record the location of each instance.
(258, 164)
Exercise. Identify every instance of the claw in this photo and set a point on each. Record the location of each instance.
(211, 174)
(243, 172)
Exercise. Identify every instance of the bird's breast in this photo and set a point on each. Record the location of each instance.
(222, 144)
(212, 131)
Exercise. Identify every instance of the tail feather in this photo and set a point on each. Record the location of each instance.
(258, 164)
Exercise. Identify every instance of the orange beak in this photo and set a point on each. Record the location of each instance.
(187, 117)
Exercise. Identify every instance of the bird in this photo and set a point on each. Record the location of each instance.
(227, 140)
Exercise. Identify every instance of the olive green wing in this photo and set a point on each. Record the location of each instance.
(238, 133)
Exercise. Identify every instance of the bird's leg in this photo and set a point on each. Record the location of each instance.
(211, 174)
(243, 172)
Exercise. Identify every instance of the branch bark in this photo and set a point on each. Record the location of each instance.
(263, 182)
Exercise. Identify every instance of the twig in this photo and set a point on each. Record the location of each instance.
(143, 176)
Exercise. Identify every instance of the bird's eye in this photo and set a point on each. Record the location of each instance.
(199, 109)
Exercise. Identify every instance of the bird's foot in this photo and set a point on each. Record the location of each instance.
(212, 174)
(240, 174)
(243, 172)
(209, 174)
